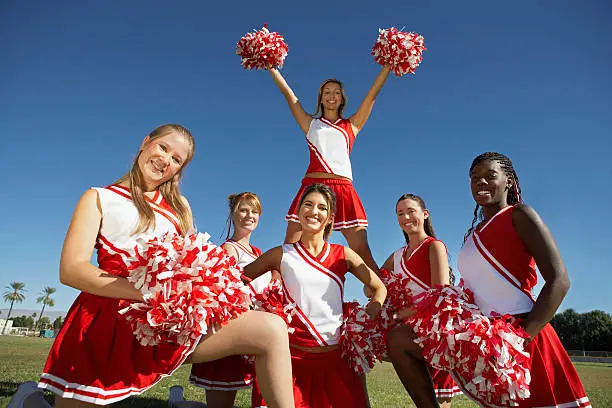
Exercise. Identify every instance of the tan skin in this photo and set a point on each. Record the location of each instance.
(356, 237)
(490, 185)
(411, 219)
(261, 334)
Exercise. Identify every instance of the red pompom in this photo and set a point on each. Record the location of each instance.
(358, 335)
(488, 353)
(273, 300)
(262, 49)
(401, 50)
(189, 286)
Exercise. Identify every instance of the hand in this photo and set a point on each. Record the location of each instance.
(403, 314)
(373, 308)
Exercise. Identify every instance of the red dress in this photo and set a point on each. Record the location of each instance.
(498, 268)
(96, 358)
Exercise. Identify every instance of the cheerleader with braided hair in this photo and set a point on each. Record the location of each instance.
(506, 241)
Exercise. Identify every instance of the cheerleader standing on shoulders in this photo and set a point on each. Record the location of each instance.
(330, 139)
(313, 273)
(96, 358)
(424, 261)
(502, 248)
(222, 378)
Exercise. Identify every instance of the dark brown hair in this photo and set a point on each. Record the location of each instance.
(330, 198)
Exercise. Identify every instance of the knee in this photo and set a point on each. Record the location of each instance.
(399, 341)
(274, 330)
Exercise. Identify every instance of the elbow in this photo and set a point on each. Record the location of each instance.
(67, 275)
(564, 285)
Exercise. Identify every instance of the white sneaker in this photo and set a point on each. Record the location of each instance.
(24, 391)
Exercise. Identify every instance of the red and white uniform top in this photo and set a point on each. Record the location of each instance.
(316, 285)
(246, 255)
(330, 146)
(416, 267)
(116, 241)
(497, 267)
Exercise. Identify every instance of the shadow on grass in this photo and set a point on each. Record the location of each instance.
(8, 388)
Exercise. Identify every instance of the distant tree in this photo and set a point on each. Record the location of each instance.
(46, 300)
(19, 321)
(43, 323)
(14, 293)
(58, 323)
(584, 331)
(29, 322)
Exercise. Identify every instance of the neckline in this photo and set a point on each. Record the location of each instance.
(427, 238)
(319, 255)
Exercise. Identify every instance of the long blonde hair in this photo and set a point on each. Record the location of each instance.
(320, 109)
(169, 189)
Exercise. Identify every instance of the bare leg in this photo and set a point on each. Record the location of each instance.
(410, 367)
(263, 335)
(220, 399)
(294, 232)
(357, 239)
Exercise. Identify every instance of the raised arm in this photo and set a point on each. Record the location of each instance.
(301, 117)
(540, 243)
(268, 261)
(76, 269)
(367, 276)
(359, 119)
(438, 263)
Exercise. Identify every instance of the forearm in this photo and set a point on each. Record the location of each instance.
(88, 278)
(283, 86)
(380, 80)
(546, 305)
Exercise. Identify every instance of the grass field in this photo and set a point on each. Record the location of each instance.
(22, 359)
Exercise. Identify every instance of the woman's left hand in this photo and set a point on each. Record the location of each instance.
(373, 308)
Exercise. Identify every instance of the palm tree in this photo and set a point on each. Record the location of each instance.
(45, 299)
(14, 293)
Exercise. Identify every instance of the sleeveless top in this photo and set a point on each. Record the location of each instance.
(330, 145)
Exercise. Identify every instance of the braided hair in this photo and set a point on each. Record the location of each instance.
(514, 195)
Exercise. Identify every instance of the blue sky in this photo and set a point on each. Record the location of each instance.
(82, 83)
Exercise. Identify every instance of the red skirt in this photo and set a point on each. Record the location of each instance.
(97, 359)
(554, 380)
(321, 380)
(226, 374)
(444, 385)
(349, 210)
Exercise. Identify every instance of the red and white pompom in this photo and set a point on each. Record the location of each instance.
(401, 50)
(262, 49)
(273, 300)
(488, 353)
(359, 333)
(189, 286)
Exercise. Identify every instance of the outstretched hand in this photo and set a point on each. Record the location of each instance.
(373, 308)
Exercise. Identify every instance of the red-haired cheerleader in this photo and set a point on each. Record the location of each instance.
(313, 273)
(223, 378)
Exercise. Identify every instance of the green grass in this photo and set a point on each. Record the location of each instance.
(22, 359)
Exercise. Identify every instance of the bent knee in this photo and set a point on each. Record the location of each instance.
(400, 340)
(273, 328)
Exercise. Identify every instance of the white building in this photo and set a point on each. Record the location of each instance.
(8, 324)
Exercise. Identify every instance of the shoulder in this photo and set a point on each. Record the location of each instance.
(230, 249)
(524, 215)
(92, 197)
(435, 246)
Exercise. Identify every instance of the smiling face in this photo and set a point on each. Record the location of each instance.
(162, 158)
(245, 216)
(490, 184)
(314, 213)
(331, 96)
(411, 216)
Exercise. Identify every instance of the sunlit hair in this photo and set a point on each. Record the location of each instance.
(330, 199)
(320, 111)
(169, 189)
(514, 194)
(233, 201)
(427, 225)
